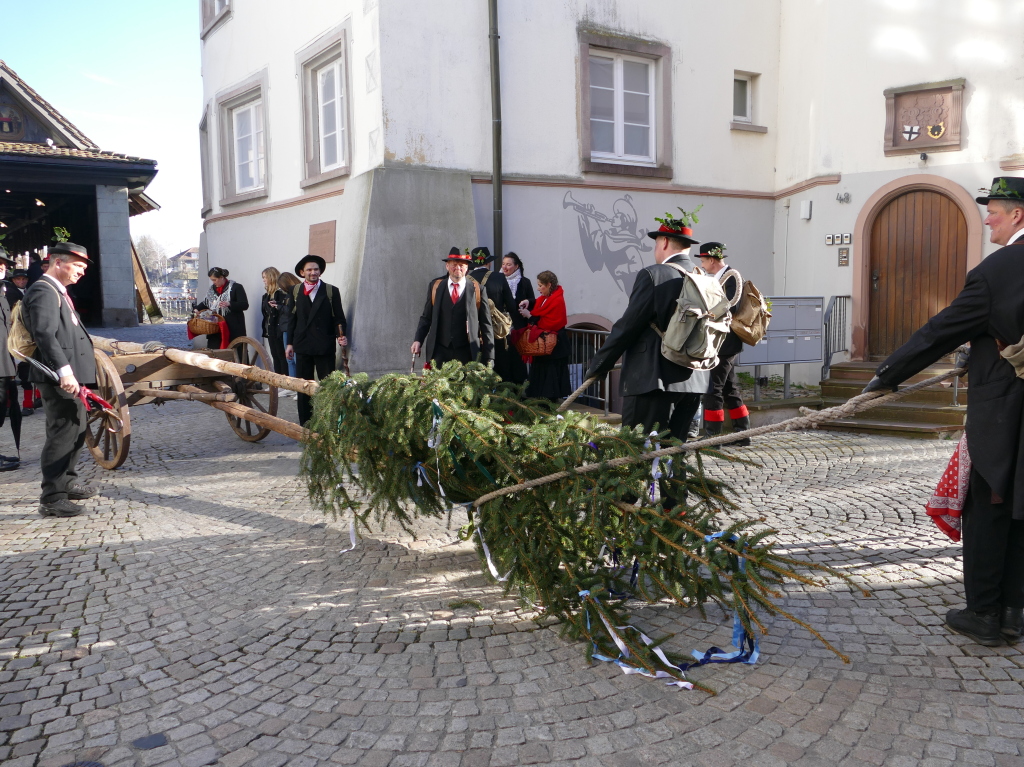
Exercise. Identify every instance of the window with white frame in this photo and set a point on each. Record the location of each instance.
(331, 102)
(213, 11)
(622, 108)
(249, 151)
(742, 98)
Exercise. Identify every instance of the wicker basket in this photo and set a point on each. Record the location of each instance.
(201, 327)
(543, 345)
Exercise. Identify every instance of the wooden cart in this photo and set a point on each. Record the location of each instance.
(238, 380)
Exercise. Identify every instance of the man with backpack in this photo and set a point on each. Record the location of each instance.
(502, 305)
(654, 389)
(315, 323)
(723, 390)
(456, 320)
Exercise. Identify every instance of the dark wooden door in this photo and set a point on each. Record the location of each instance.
(918, 257)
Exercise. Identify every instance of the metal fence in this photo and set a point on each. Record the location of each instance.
(176, 308)
(583, 345)
(835, 335)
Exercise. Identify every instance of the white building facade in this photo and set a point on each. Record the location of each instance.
(360, 130)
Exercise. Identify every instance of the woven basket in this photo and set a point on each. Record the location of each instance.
(541, 347)
(201, 327)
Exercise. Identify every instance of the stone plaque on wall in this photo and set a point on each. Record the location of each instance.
(923, 118)
(322, 239)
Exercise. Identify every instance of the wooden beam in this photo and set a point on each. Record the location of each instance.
(258, 417)
(300, 385)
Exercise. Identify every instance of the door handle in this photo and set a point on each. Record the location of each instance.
(874, 280)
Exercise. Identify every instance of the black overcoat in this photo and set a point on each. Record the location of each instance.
(60, 341)
(481, 335)
(990, 307)
(653, 299)
(524, 292)
(271, 316)
(314, 327)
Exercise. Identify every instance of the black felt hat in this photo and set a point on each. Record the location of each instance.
(69, 249)
(1004, 188)
(713, 249)
(19, 273)
(5, 258)
(481, 255)
(306, 259)
(457, 255)
(683, 233)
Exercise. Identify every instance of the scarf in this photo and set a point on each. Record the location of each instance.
(513, 280)
(947, 503)
(217, 300)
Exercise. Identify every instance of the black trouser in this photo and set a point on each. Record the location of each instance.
(993, 550)
(276, 344)
(65, 435)
(666, 409)
(443, 354)
(305, 365)
(723, 391)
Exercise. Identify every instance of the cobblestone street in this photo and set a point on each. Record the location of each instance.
(201, 599)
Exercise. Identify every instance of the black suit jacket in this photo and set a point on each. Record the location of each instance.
(314, 327)
(59, 341)
(989, 307)
(481, 335)
(8, 368)
(653, 300)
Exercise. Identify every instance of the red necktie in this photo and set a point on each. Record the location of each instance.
(455, 293)
(71, 305)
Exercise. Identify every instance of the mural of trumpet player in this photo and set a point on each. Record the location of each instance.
(611, 242)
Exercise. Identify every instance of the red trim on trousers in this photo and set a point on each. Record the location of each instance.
(714, 416)
(739, 412)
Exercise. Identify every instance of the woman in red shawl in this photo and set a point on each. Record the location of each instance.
(549, 375)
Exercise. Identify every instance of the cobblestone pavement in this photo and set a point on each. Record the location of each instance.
(202, 599)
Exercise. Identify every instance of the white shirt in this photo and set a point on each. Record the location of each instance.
(66, 369)
(1016, 236)
(314, 291)
(462, 286)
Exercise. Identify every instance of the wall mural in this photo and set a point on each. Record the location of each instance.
(611, 242)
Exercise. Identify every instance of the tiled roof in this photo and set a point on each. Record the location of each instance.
(46, 106)
(43, 150)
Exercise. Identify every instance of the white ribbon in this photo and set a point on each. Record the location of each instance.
(351, 535)
(479, 530)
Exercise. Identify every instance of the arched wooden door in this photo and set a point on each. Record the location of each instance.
(918, 260)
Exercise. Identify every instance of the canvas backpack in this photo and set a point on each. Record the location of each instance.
(750, 315)
(19, 340)
(700, 323)
(295, 297)
(501, 323)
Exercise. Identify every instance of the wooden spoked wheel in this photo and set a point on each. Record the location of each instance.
(259, 396)
(109, 449)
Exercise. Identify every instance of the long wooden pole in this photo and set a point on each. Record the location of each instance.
(258, 417)
(191, 396)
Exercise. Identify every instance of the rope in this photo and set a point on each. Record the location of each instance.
(810, 419)
(572, 397)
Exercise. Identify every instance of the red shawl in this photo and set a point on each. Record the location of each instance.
(947, 503)
(549, 312)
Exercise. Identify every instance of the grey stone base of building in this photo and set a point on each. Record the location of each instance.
(120, 318)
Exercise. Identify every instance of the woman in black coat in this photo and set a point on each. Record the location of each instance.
(522, 291)
(273, 302)
(227, 298)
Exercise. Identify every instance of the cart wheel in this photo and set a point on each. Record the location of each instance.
(259, 396)
(109, 450)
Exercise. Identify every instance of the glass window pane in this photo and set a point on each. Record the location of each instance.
(634, 76)
(602, 104)
(243, 122)
(327, 90)
(739, 98)
(602, 136)
(602, 72)
(329, 123)
(330, 151)
(638, 140)
(636, 109)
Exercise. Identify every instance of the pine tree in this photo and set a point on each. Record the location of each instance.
(404, 445)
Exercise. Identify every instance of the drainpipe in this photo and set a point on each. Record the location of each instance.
(495, 131)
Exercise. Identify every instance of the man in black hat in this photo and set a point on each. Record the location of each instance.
(723, 392)
(8, 369)
(64, 346)
(654, 390)
(987, 315)
(456, 322)
(496, 288)
(316, 326)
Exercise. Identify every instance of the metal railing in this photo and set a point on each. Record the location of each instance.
(583, 345)
(835, 334)
(176, 308)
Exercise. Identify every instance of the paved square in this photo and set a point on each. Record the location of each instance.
(203, 599)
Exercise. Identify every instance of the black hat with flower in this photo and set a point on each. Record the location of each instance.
(678, 228)
(713, 250)
(1003, 188)
(459, 256)
(481, 255)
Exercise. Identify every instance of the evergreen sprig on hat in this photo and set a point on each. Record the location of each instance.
(685, 219)
(60, 234)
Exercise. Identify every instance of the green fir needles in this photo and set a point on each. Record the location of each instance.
(404, 445)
